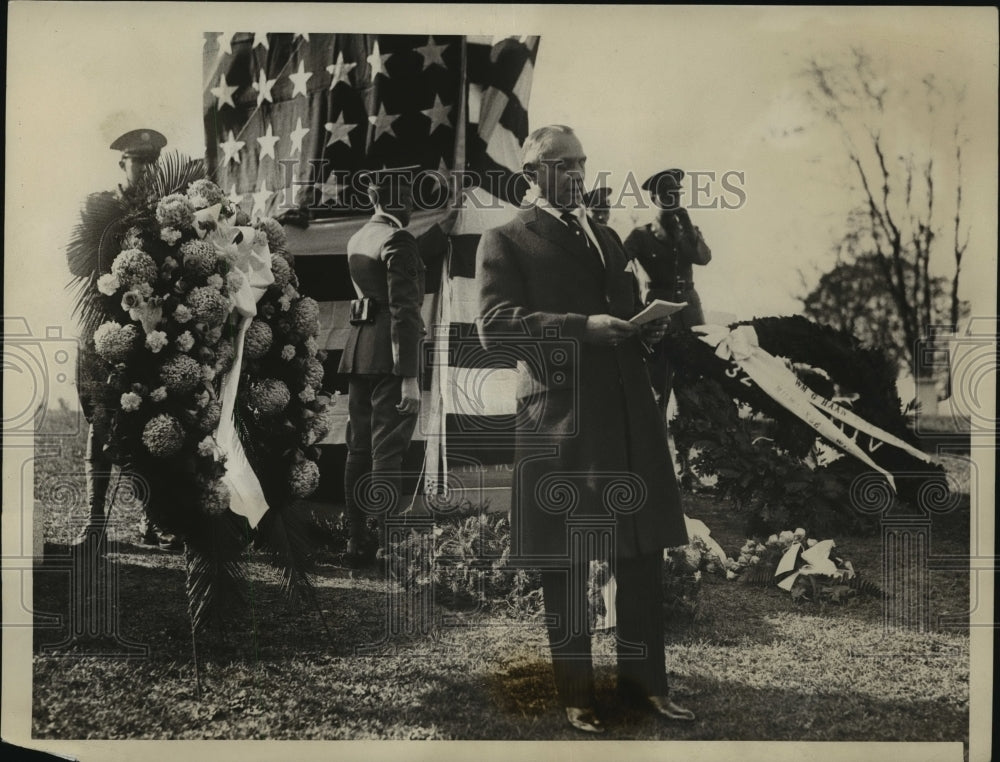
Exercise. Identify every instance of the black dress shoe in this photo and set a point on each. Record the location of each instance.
(664, 707)
(585, 719)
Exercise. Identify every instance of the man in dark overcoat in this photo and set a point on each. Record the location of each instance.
(593, 471)
(381, 356)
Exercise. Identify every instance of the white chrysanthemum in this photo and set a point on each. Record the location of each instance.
(170, 235)
(182, 313)
(108, 284)
(158, 394)
(155, 341)
(130, 402)
(185, 341)
(287, 352)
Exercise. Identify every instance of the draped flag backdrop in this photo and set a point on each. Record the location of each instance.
(290, 122)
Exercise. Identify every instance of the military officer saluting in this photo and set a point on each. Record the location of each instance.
(382, 355)
(663, 254)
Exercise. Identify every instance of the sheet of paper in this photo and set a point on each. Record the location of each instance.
(657, 309)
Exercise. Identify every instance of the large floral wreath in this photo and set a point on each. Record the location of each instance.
(200, 309)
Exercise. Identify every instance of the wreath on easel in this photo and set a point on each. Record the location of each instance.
(180, 297)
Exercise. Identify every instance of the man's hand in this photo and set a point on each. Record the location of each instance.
(608, 331)
(654, 331)
(409, 403)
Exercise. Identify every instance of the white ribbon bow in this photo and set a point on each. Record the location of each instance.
(253, 262)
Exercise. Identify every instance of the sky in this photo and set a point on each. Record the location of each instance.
(715, 89)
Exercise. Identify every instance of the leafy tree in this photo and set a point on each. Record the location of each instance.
(854, 296)
(892, 132)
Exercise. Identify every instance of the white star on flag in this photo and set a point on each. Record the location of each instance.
(260, 199)
(377, 62)
(267, 142)
(339, 71)
(383, 122)
(260, 38)
(330, 190)
(297, 135)
(340, 132)
(224, 93)
(225, 42)
(299, 80)
(441, 177)
(432, 53)
(235, 198)
(232, 147)
(438, 114)
(263, 87)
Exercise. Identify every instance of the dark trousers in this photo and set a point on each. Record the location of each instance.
(377, 439)
(97, 469)
(639, 629)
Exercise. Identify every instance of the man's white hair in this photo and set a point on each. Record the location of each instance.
(537, 144)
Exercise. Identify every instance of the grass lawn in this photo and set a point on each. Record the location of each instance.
(752, 663)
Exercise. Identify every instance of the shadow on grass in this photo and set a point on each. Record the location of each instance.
(141, 600)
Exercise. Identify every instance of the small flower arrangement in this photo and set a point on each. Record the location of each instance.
(806, 567)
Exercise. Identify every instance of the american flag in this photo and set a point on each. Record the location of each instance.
(291, 119)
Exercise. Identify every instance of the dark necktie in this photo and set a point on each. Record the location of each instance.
(576, 228)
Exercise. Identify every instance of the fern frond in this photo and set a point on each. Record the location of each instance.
(173, 173)
(864, 586)
(761, 575)
(216, 572)
(283, 535)
(93, 242)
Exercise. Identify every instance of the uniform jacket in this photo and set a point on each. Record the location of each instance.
(386, 267)
(590, 443)
(668, 262)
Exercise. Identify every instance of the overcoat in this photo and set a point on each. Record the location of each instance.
(591, 446)
(386, 267)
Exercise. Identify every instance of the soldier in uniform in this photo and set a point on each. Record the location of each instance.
(598, 204)
(381, 356)
(663, 253)
(139, 151)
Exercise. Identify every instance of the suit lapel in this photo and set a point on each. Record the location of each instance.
(609, 247)
(548, 227)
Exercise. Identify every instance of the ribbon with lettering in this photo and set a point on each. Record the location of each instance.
(253, 263)
(774, 377)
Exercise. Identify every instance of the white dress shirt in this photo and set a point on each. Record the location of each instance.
(580, 213)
